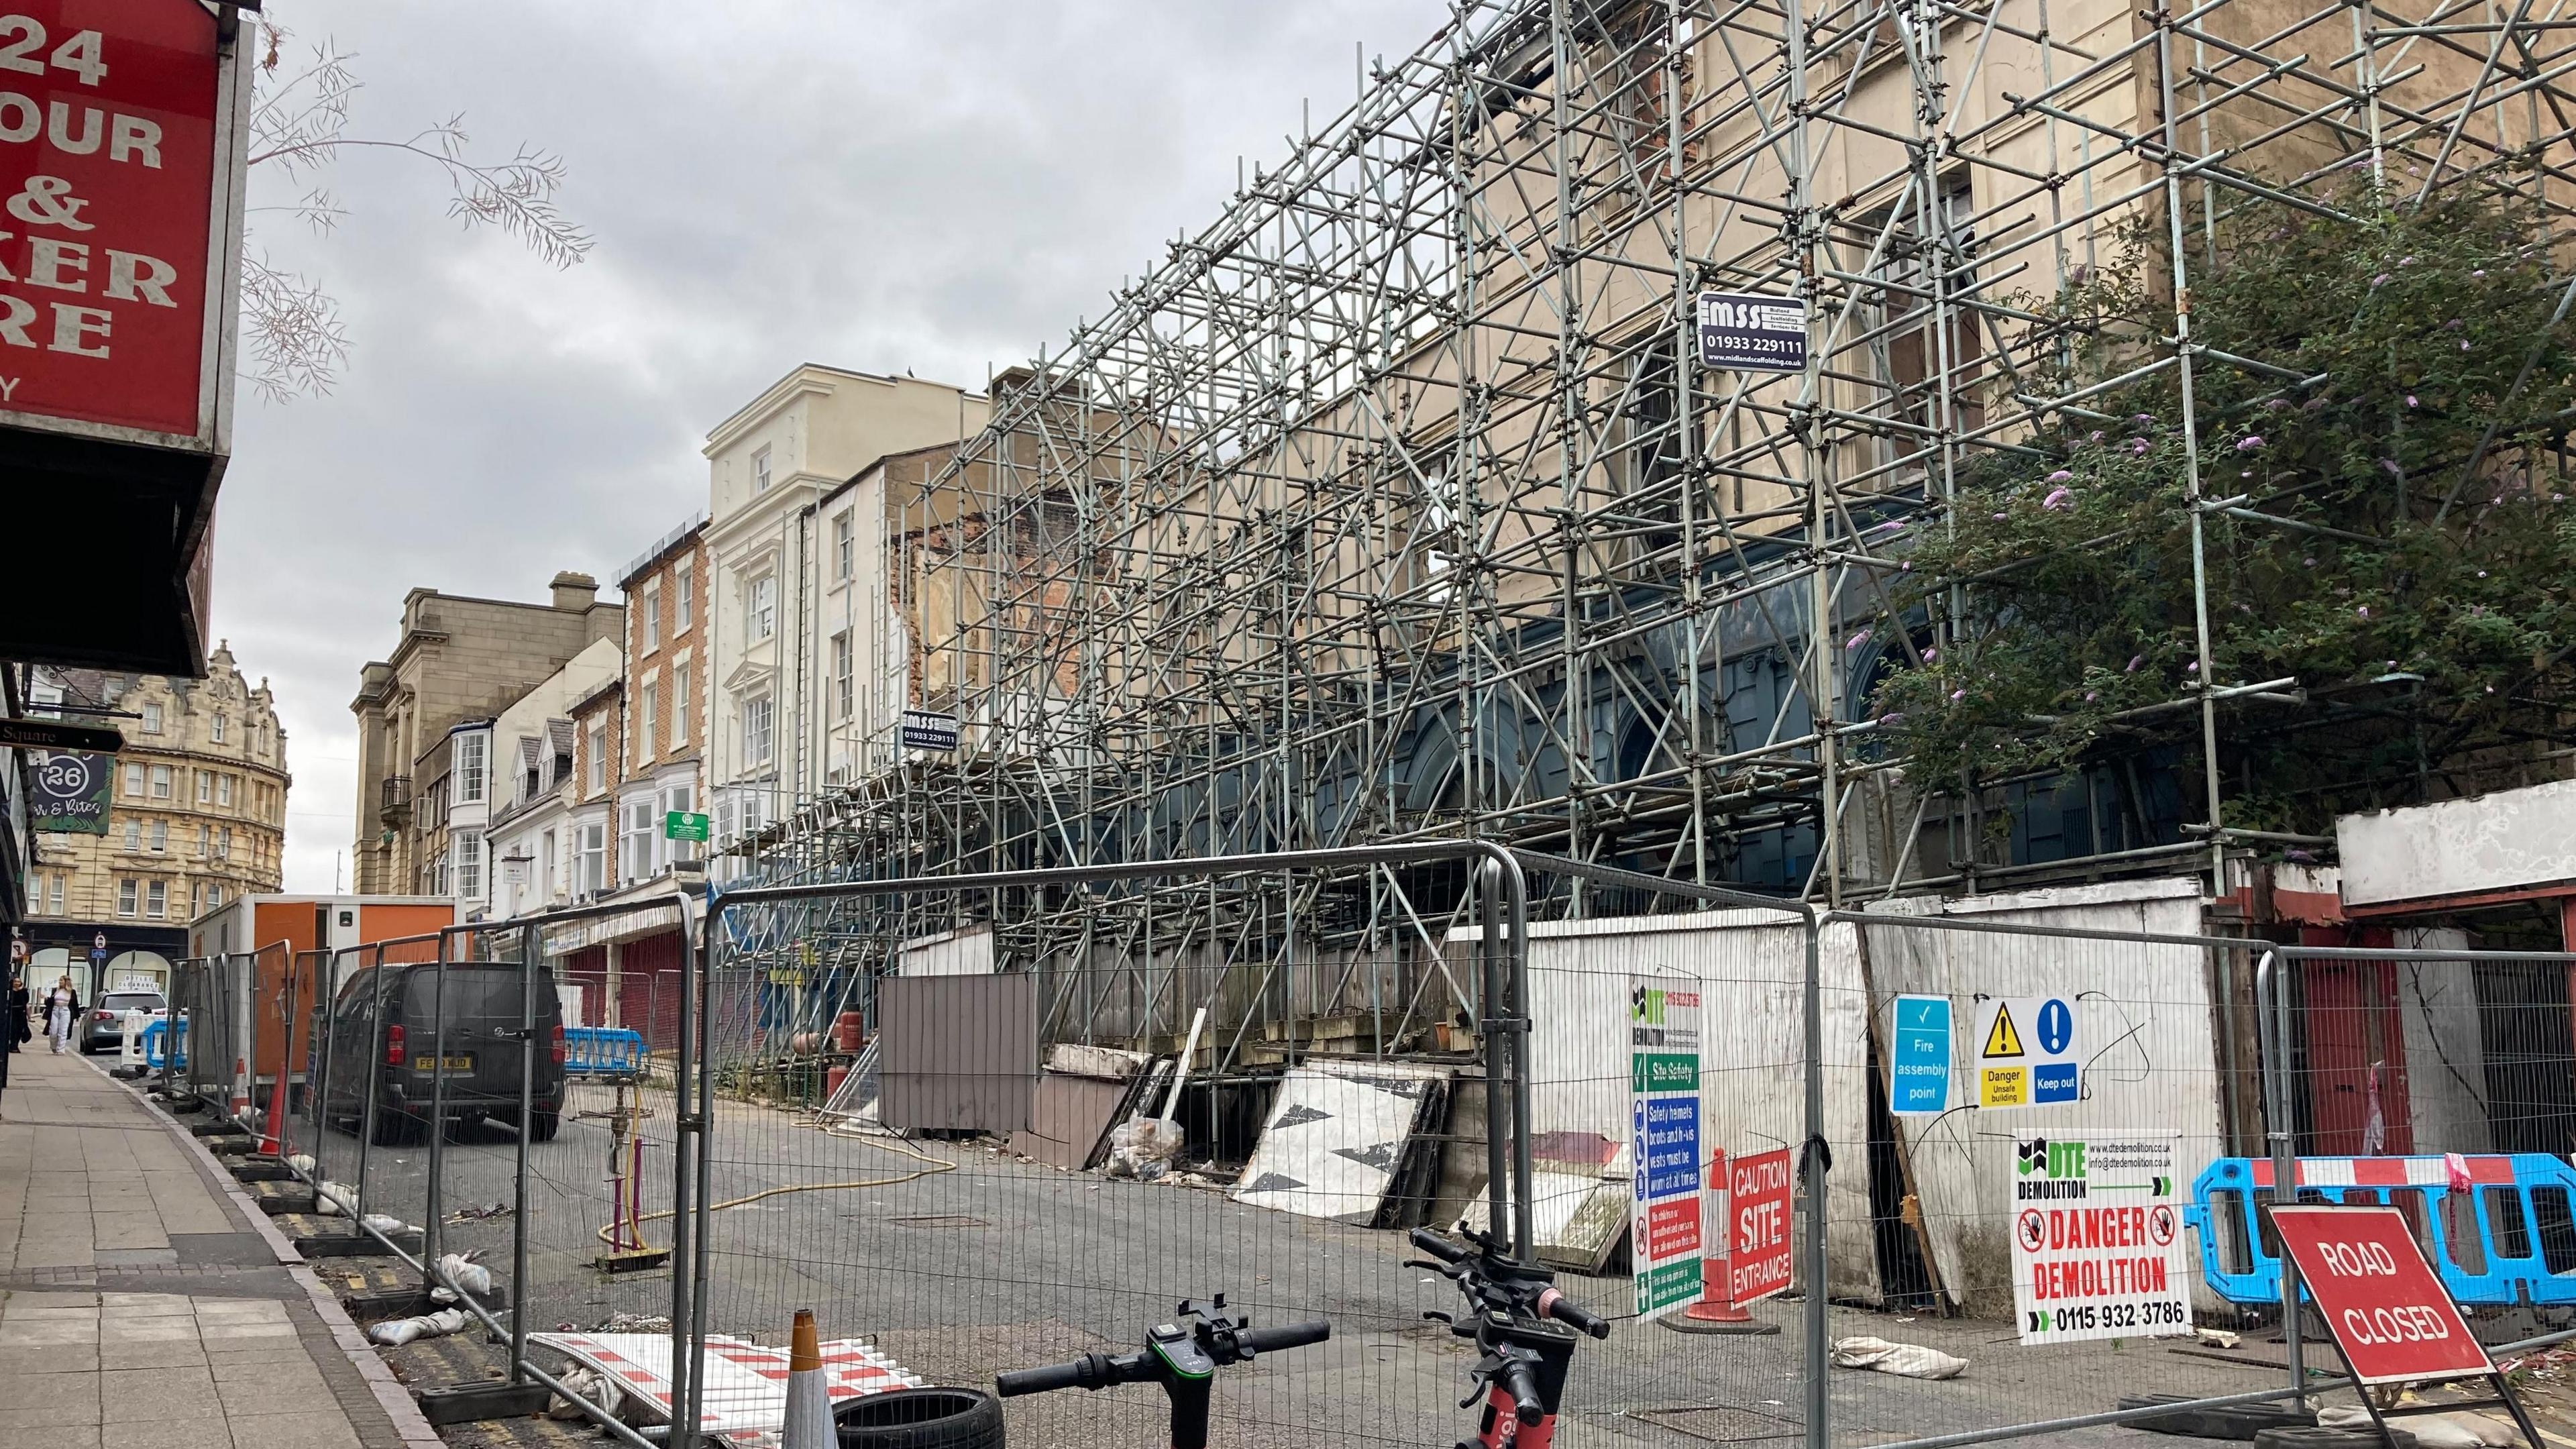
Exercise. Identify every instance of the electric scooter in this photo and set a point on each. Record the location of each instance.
(1182, 1356)
(1525, 1330)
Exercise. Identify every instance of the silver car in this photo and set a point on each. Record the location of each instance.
(103, 1023)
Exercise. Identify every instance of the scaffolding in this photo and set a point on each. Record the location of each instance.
(1398, 502)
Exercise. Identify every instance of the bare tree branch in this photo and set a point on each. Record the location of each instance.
(299, 127)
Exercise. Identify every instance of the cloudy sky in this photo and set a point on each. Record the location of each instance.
(882, 186)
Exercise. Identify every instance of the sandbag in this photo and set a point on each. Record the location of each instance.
(1910, 1360)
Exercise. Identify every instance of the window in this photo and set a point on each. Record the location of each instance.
(54, 893)
(598, 757)
(648, 732)
(125, 895)
(223, 842)
(757, 715)
(160, 835)
(205, 839)
(635, 851)
(216, 729)
(223, 789)
(652, 630)
(684, 597)
(841, 675)
(760, 609)
(760, 472)
(156, 899)
(469, 865)
(134, 781)
(845, 548)
(594, 857)
(197, 899)
(471, 768)
(160, 782)
(151, 717)
(546, 867)
(205, 787)
(214, 898)
(134, 835)
(680, 705)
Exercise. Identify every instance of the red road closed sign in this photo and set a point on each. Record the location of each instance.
(2391, 1315)
(1758, 1258)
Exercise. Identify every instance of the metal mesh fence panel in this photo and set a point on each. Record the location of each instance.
(1703, 1013)
(388, 1052)
(2018, 1110)
(341, 1030)
(596, 1210)
(914, 1133)
(2441, 1082)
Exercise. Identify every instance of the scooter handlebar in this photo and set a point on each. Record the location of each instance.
(1286, 1335)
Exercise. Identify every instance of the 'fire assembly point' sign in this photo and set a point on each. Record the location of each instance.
(1918, 1078)
(2389, 1314)
(1663, 1077)
(2097, 1244)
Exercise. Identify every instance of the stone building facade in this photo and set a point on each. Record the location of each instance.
(458, 659)
(197, 818)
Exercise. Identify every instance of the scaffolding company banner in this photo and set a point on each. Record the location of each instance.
(1663, 1077)
(2097, 1244)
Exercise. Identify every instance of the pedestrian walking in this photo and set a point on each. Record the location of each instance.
(62, 1008)
(14, 1030)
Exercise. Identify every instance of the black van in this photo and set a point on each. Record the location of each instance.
(400, 1054)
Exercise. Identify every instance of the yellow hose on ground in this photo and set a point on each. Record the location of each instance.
(936, 1166)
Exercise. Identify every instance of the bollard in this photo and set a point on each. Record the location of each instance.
(809, 1399)
(1715, 1312)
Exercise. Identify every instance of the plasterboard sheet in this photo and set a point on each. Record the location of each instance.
(1339, 1136)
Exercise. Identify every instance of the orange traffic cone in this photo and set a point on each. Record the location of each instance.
(809, 1399)
(1715, 1312)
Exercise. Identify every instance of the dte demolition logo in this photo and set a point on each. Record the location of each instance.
(2060, 1166)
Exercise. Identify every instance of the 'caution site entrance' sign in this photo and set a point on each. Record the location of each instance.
(2388, 1312)
(2097, 1243)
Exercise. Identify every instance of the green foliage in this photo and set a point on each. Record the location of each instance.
(2065, 571)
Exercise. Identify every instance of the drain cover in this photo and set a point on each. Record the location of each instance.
(1719, 1424)
(940, 1220)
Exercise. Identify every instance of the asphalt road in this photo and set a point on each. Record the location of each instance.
(975, 1261)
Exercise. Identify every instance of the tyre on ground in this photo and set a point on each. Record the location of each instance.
(938, 1418)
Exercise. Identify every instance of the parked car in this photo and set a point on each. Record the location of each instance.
(103, 1024)
(384, 1037)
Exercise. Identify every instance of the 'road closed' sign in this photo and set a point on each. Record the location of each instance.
(2389, 1313)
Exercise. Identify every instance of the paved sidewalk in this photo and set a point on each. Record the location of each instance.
(141, 1304)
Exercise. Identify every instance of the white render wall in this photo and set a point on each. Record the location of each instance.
(2503, 841)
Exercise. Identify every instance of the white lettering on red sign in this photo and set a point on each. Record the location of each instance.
(2389, 1313)
(1759, 1261)
(107, 144)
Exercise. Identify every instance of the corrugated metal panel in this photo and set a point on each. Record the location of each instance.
(966, 951)
(959, 1052)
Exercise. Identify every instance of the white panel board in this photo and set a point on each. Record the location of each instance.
(1336, 1138)
(2504, 841)
(2150, 1063)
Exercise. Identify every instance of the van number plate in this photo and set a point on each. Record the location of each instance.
(454, 1064)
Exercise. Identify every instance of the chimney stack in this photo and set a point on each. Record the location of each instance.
(575, 591)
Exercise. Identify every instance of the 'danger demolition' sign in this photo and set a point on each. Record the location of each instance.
(2097, 1246)
(108, 135)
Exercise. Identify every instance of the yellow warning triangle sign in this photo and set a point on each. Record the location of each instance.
(2001, 1039)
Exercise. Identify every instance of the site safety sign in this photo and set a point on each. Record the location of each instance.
(2389, 1314)
(2097, 1243)
(1663, 1071)
(2028, 1051)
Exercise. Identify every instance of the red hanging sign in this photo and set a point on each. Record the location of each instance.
(111, 113)
(2387, 1310)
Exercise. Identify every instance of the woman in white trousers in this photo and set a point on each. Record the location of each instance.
(62, 1008)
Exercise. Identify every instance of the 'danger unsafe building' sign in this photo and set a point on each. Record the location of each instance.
(109, 122)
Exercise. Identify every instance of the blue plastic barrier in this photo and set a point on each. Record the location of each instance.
(593, 1051)
(153, 1031)
(2494, 1240)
